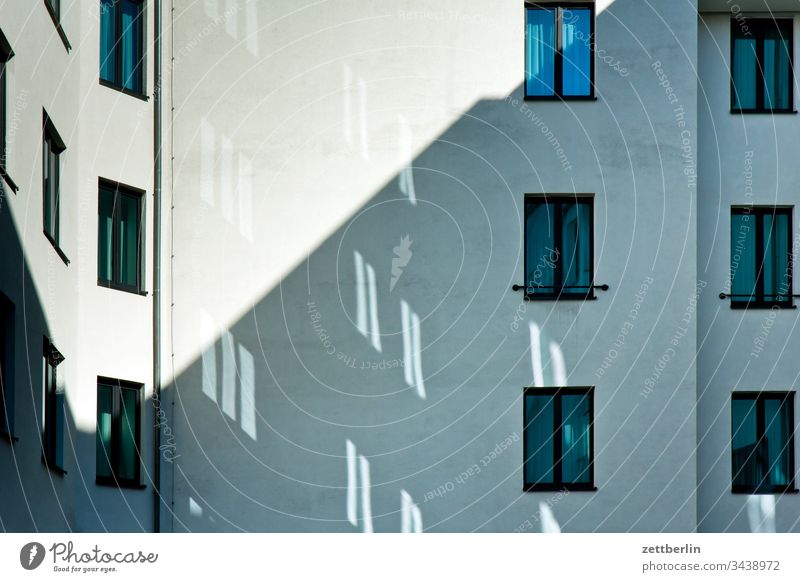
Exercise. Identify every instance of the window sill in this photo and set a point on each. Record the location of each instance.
(776, 490)
(54, 468)
(528, 488)
(57, 24)
(763, 111)
(111, 482)
(560, 98)
(759, 306)
(8, 180)
(560, 298)
(115, 87)
(6, 436)
(57, 248)
(116, 287)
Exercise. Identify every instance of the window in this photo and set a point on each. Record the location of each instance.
(6, 366)
(119, 427)
(559, 50)
(761, 260)
(762, 78)
(122, 44)
(558, 439)
(762, 442)
(5, 55)
(52, 409)
(55, 7)
(54, 10)
(119, 240)
(52, 147)
(558, 247)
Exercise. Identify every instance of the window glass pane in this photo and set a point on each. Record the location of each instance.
(541, 254)
(743, 257)
(6, 358)
(575, 439)
(539, 439)
(576, 247)
(104, 415)
(539, 51)
(108, 65)
(105, 224)
(130, 45)
(776, 257)
(58, 427)
(776, 72)
(128, 446)
(3, 111)
(777, 430)
(128, 239)
(744, 73)
(47, 187)
(576, 50)
(746, 467)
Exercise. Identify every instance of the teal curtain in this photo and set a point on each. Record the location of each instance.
(128, 239)
(575, 438)
(776, 73)
(130, 45)
(745, 66)
(576, 246)
(776, 257)
(540, 51)
(128, 453)
(777, 432)
(105, 233)
(108, 64)
(103, 443)
(746, 466)
(539, 443)
(576, 32)
(540, 252)
(743, 257)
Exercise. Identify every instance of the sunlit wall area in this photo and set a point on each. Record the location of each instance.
(348, 220)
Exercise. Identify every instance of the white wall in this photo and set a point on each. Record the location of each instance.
(292, 125)
(746, 159)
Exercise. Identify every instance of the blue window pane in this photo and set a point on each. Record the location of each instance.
(776, 449)
(577, 52)
(776, 257)
(541, 256)
(539, 439)
(744, 439)
(108, 65)
(539, 52)
(128, 208)
(105, 231)
(776, 73)
(743, 257)
(575, 439)
(128, 453)
(576, 247)
(130, 45)
(745, 65)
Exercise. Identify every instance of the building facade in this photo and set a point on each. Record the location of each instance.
(355, 267)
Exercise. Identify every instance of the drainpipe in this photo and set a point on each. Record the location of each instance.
(157, 268)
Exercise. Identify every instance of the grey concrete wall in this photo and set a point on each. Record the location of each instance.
(298, 128)
(745, 159)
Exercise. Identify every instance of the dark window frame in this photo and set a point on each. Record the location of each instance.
(52, 145)
(52, 413)
(54, 10)
(758, 27)
(138, 194)
(6, 54)
(118, 83)
(117, 387)
(760, 302)
(556, 393)
(559, 293)
(760, 397)
(558, 57)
